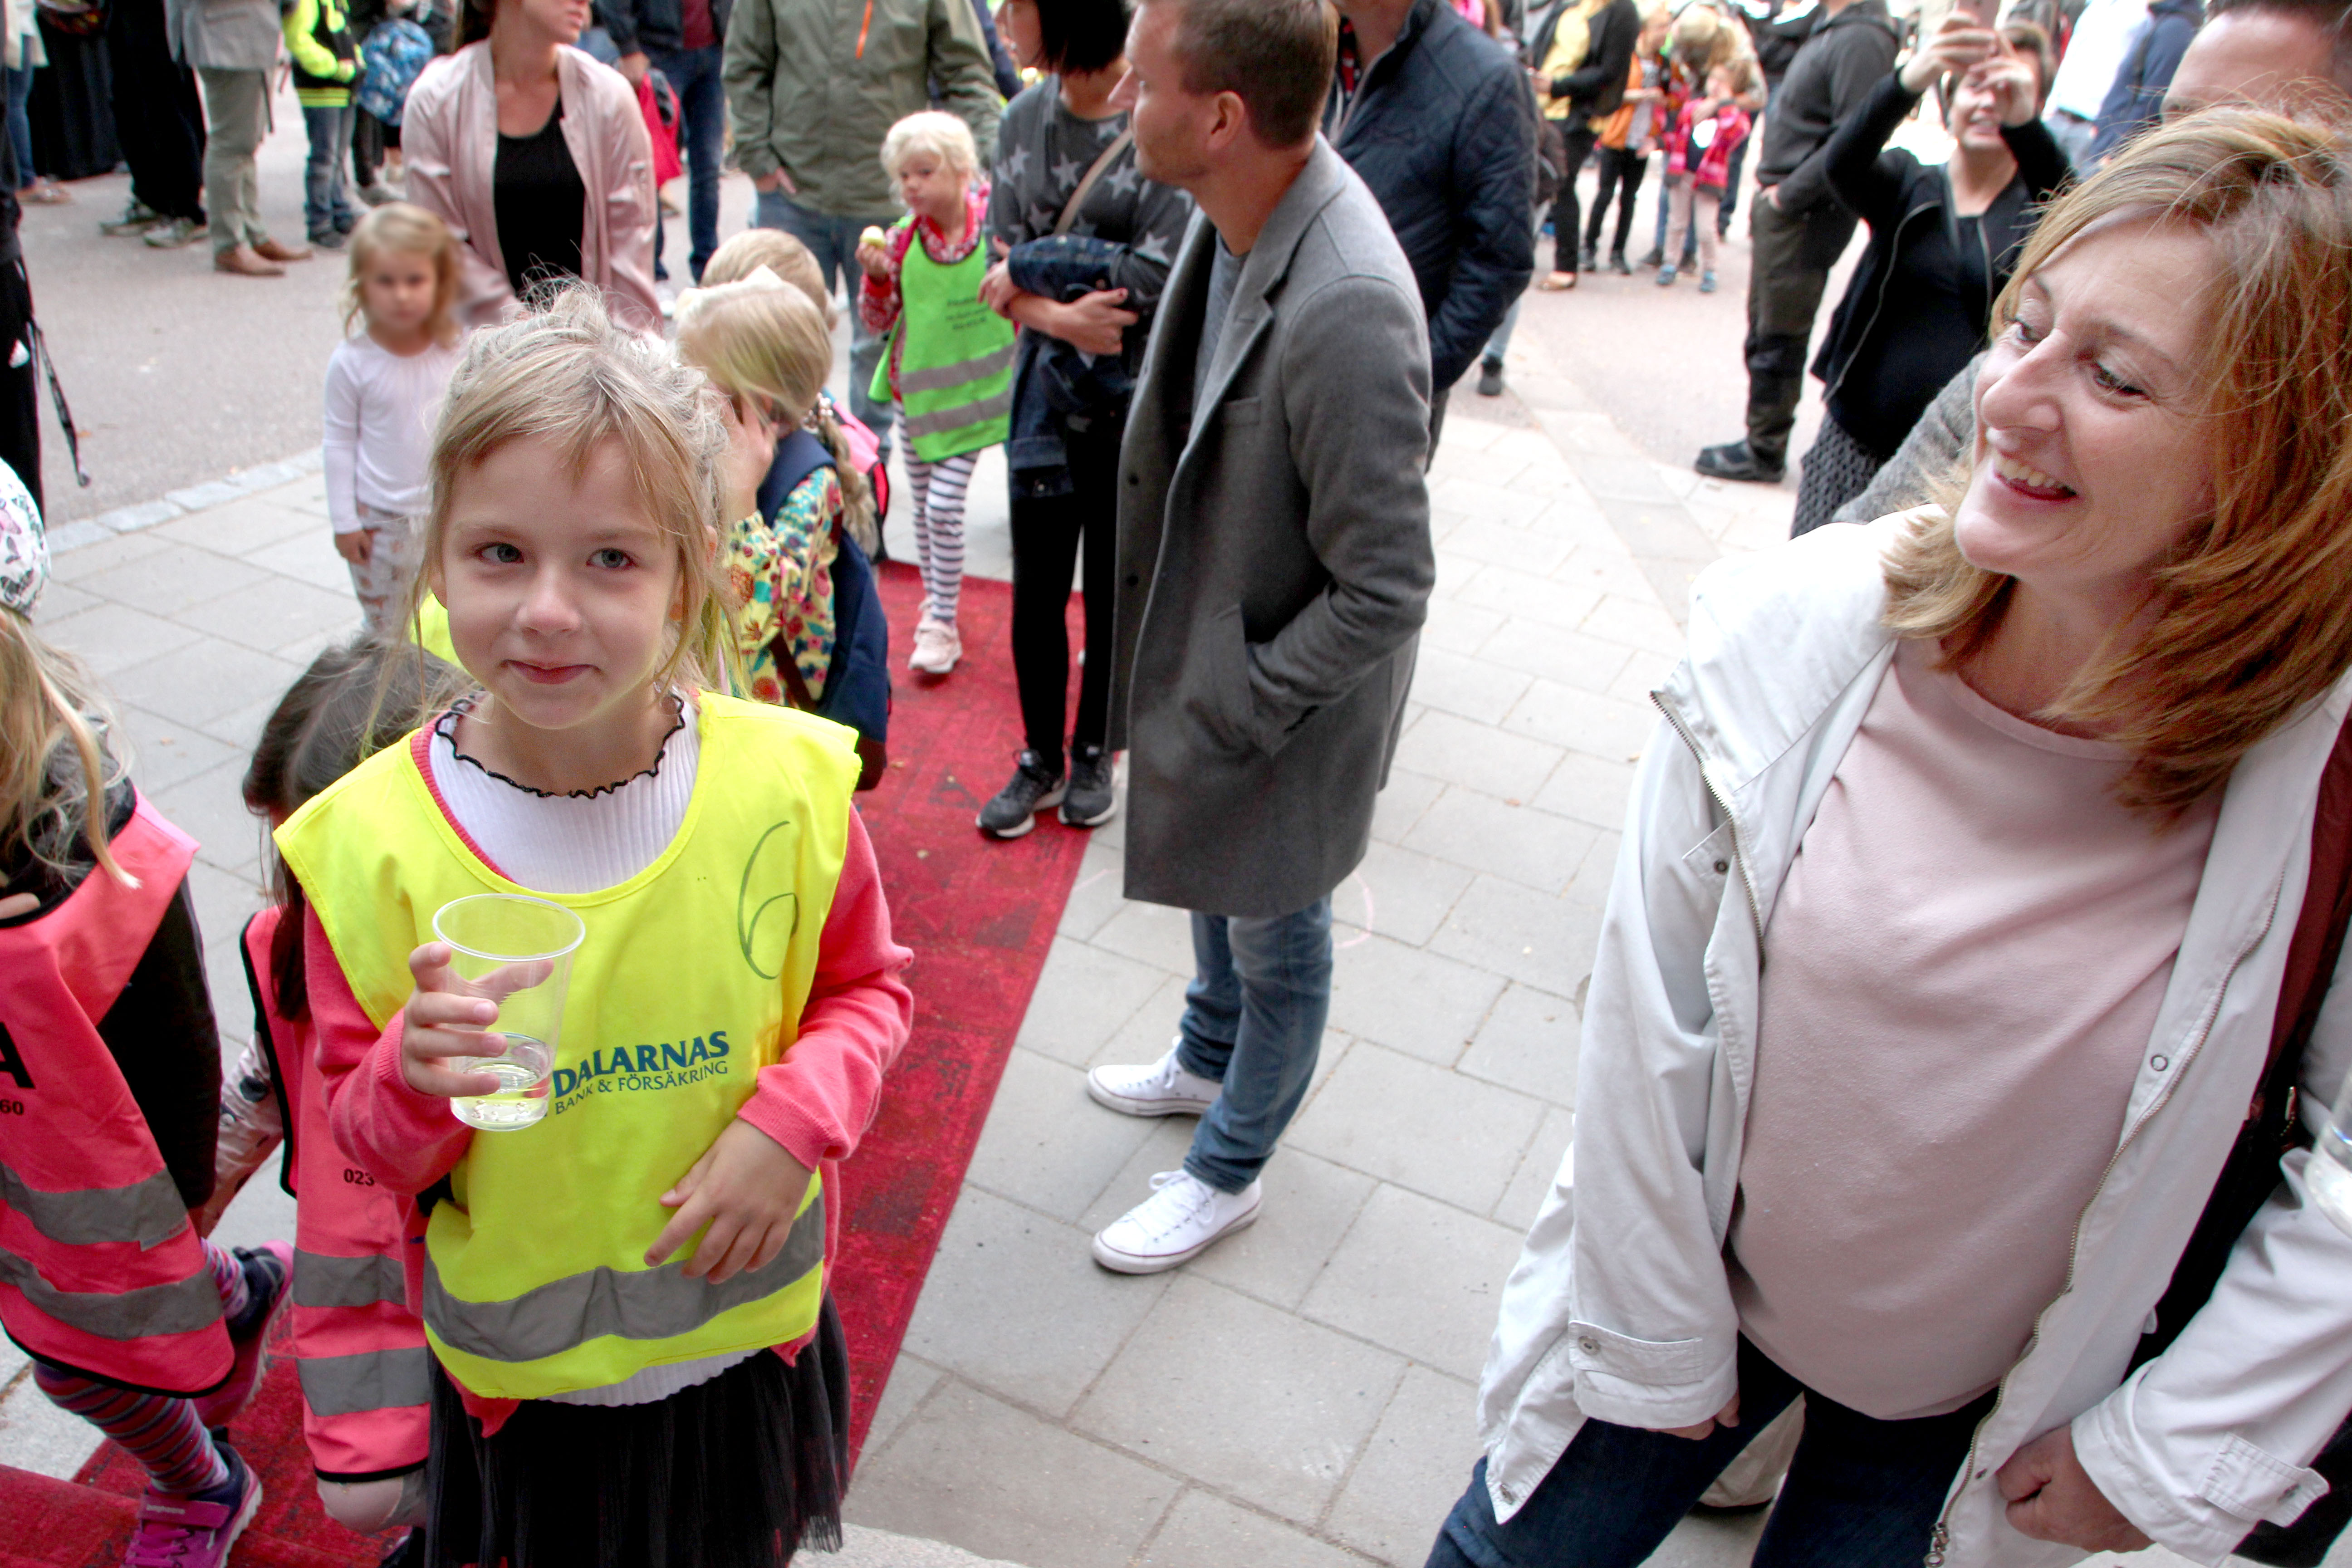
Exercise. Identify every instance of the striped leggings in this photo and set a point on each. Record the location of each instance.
(164, 1434)
(939, 528)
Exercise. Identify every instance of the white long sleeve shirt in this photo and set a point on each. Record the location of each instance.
(380, 410)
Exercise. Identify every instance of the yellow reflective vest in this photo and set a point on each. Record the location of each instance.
(690, 980)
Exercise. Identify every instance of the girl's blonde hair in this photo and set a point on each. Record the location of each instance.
(935, 131)
(780, 253)
(761, 338)
(566, 375)
(2251, 620)
(399, 228)
(54, 729)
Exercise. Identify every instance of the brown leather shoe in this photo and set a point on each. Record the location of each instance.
(241, 261)
(275, 250)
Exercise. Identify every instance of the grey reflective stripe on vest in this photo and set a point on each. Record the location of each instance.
(374, 1380)
(635, 1304)
(956, 418)
(175, 1309)
(149, 1212)
(941, 378)
(323, 1281)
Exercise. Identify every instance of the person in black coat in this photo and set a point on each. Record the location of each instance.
(1944, 240)
(1573, 97)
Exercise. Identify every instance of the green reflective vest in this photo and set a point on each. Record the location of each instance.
(954, 356)
(690, 981)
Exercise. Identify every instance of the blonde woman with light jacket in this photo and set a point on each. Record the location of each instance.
(1943, 953)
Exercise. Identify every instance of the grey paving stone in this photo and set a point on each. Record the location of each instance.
(1456, 627)
(1602, 570)
(210, 808)
(1417, 1463)
(1642, 674)
(61, 601)
(1583, 721)
(1392, 1116)
(1500, 544)
(1409, 999)
(1565, 656)
(1472, 688)
(1528, 1043)
(1420, 1277)
(110, 638)
(1592, 878)
(1593, 789)
(240, 728)
(163, 751)
(65, 536)
(1244, 1397)
(212, 492)
(202, 684)
(307, 557)
(1400, 803)
(278, 615)
(176, 578)
(863, 1548)
(1557, 600)
(1203, 1529)
(1149, 1030)
(38, 1436)
(1016, 1304)
(1399, 893)
(1524, 1198)
(1084, 994)
(975, 1473)
(1047, 1144)
(146, 515)
(1476, 498)
(1095, 896)
(89, 559)
(1154, 935)
(1444, 746)
(912, 1380)
(1527, 935)
(1631, 620)
(1505, 838)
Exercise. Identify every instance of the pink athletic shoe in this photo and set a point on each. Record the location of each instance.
(269, 1266)
(198, 1531)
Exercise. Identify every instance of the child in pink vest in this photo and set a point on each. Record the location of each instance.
(1699, 162)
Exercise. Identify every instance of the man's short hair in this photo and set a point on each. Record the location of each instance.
(2331, 18)
(1275, 55)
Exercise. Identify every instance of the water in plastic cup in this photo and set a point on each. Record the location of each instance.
(517, 951)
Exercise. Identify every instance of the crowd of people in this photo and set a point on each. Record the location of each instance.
(2001, 1169)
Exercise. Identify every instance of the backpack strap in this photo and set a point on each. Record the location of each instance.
(2272, 1125)
(1095, 170)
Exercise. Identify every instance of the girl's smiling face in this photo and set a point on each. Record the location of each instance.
(561, 586)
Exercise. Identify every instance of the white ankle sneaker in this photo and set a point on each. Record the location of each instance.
(1160, 1089)
(1181, 1220)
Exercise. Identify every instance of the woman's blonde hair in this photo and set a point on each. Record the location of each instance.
(399, 228)
(761, 338)
(935, 131)
(780, 253)
(54, 732)
(2251, 620)
(566, 375)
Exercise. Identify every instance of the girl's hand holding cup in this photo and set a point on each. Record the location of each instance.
(443, 1020)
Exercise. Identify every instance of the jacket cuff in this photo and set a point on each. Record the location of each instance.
(1648, 1384)
(2202, 1519)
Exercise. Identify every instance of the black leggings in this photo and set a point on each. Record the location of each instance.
(1622, 171)
(1565, 212)
(1047, 532)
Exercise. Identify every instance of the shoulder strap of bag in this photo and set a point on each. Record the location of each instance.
(1095, 170)
(2272, 1125)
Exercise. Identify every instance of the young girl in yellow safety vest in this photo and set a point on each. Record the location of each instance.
(948, 368)
(636, 1363)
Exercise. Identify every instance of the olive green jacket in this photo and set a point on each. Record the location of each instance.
(813, 85)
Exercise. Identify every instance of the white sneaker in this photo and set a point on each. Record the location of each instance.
(1183, 1218)
(1160, 1089)
(937, 647)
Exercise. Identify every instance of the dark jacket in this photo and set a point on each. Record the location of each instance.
(1598, 85)
(2136, 101)
(1837, 68)
(857, 677)
(1913, 316)
(1778, 29)
(642, 25)
(1443, 130)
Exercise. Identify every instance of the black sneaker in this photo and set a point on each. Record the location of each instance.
(1617, 264)
(1589, 259)
(1014, 810)
(1490, 378)
(1089, 801)
(1734, 461)
(1657, 256)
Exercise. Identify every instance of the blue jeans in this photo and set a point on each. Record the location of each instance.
(702, 116)
(325, 208)
(1254, 1021)
(834, 242)
(18, 167)
(1861, 1493)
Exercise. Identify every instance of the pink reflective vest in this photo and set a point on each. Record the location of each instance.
(100, 1269)
(358, 1349)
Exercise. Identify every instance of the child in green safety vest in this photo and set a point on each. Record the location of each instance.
(948, 371)
(326, 63)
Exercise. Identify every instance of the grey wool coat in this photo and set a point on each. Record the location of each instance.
(1272, 569)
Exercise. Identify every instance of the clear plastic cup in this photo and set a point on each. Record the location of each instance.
(516, 951)
(2328, 1176)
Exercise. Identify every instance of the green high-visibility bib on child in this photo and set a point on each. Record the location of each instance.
(955, 356)
(690, 980)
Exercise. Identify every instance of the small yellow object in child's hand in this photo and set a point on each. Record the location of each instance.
(875, 237)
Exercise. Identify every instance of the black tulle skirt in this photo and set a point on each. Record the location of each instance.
(737, 1472)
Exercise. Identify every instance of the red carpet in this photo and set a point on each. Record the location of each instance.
(980, 917)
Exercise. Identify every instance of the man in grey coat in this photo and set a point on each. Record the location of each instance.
(233, 45)
(1273, 568)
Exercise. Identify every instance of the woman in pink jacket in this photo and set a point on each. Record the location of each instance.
(538, 157)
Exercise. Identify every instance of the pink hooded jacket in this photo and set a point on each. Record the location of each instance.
(450, 133)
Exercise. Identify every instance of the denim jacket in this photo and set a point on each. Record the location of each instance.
(1058, 388)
